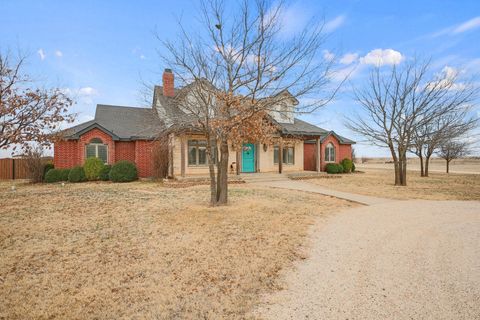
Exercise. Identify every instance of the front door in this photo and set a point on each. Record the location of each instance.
(248, 157)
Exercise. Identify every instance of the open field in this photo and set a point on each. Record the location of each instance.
(380, 183)
(140, 250)
(468, 165)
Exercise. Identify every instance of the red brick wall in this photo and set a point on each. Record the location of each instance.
(342, 151)
(125, 150)
(66, 154)
(143, 158)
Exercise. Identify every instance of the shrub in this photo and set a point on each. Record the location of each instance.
(339, 168)
(334, 168)
(92, 168)
(65, 173)
(47, 167)
(77, 174)
(53, 175)
(331, 168)
(353, 166)
(347, 165)
(123, 171)
(104, 173)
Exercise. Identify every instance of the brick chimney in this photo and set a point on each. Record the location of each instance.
(168, 83)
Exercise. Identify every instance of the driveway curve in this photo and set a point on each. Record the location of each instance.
(392, 260)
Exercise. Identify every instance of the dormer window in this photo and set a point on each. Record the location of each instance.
(97, 149)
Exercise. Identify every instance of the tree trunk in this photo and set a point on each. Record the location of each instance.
(422, 172)
(427, 162)
(396, 165)
(402, 155)
(448, 166)
(222, 174)
(211, 169)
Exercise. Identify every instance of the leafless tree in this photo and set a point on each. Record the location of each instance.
(455, 123)
(239, 68)
(398, 104)
(451, 150)
(27, 113)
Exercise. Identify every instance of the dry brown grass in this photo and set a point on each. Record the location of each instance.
(380, 183)
(139, 250)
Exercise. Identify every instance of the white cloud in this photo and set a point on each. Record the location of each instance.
(349, 58)
(327, 55)
(42, 54)
(467, 25)
(460, 28)
(449, 79)
(59, 53)
(335, 23)
(87, 91)
(380, 57)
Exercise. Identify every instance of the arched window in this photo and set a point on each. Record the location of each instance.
(330, 153)
(97, 149)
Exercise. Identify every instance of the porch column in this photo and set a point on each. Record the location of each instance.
(171, 145)
(257, 157)
(280, 156)
(237, 161)
(182, 156)
(318, 156)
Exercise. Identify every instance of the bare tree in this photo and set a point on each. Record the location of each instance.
(451, 150)
(238, 69)
(27, 113)
(455, 121)
(399, 104)
(35, 164)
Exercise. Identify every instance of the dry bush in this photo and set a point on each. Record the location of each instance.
(160, 158)
(35, 163)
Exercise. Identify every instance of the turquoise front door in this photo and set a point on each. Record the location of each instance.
(248, 157)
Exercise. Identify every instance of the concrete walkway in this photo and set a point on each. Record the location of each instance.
(310, 187)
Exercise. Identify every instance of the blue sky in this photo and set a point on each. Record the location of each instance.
(101, 50)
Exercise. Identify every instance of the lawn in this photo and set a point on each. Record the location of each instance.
(380, 183)
(140, 250)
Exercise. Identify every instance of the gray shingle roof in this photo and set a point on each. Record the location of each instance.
(303, 128)
(123, 123)
(130, 123)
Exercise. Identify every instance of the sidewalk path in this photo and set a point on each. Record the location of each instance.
(310, 187)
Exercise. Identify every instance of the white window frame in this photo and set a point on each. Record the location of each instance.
(330, 155)
(96, 145)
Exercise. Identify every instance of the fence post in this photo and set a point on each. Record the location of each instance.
(13, 169)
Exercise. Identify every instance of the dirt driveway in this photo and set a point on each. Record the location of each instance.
(394, 260)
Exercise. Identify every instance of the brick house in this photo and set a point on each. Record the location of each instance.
(128, 133)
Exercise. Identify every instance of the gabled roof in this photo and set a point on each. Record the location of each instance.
(122, 123)
(302, 128)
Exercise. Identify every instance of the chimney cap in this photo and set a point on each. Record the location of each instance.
(168, 70)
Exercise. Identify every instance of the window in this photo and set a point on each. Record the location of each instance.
(330, 153)
(197, 153)
(97, 149)
(288, 155)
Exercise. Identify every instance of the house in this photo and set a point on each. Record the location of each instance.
(128, 133)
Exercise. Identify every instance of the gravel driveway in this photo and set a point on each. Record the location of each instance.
(394, 260)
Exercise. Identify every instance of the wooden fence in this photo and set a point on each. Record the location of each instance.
(15, 168)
